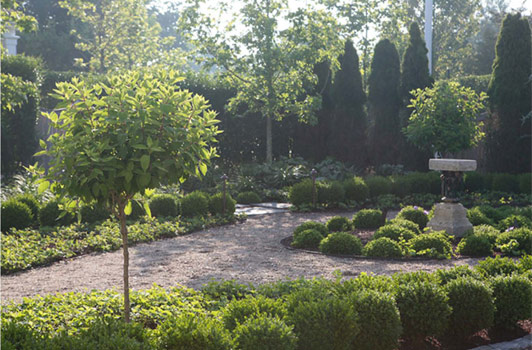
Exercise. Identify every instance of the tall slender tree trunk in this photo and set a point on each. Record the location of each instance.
(269, 156)
(123, 231)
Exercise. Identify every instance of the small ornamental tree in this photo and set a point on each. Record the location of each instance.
(444, 118)
(134, 131)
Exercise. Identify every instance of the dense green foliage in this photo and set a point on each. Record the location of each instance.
(194, 204)
(368, 219)
(338, 224)
(312, 225)
(163, 206)
(432, 245)
(383, 247)
(356, 189)
(248, 197)
(264, 333)
(15, 214)
(307, 239)
(216, 204)
(513, 297)
(394, 232)
(341, 243)
(50, 215)
(414, 214)
(475, 245)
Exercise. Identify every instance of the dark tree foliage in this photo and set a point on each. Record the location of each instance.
(347, 137)
(509, 146)
(384, 104)
(414, 75)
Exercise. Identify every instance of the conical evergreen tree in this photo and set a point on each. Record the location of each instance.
(384, 104)
(347, 140)
(414, 75)
(509, 142)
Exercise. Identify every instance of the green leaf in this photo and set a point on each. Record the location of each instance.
(146, 206)
(203, 168)
(42, 143)
(43, 186)
(145, 162)
(129, 208)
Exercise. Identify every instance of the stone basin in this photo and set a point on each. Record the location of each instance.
(443, 164)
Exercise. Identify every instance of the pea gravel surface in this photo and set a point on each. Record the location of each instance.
(247, 252)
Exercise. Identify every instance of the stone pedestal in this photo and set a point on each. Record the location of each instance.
(450, 217)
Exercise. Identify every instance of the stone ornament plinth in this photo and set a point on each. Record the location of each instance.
(451, 216)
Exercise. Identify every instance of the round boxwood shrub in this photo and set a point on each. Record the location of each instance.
(15, 214)
(307, 239)
(356, 189)
(92, 213)
(312, 225)
(338, 224)
(474, 181)
(49, 213)
(394, 232)
(248, 197)
(193, 332)
(341, 243)
(331, 193)
(492, 213)
(368, 219)
(497, 266)
(237, 311)
(474, 245)
(378, 317)
(472, 306)
(378, 185)
(163, 205)
(324, 323)
(513, 300)
(264, 333)
(432, 245)
(409, 225)
(194, 204)
(301, 193)
(515, 221)
(383, 248)
(414, 214)
(505, 183)
(424, 310)
(137, 210)
(523, 237)
(477, 217)
(216, 204)
(32, 203)
(487, 231)
(444, 276)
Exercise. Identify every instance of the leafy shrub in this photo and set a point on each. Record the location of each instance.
(32, 203)
(312, 225)
(525, 183)
(474, 245)
(400, 186)
(15, 214)
(216, 204)
(92, 213)
(338, 224)
(445, 276)
(492, 213)
(424, 310)
(414, 214)
(341, 243)
(301, 193)
(237, 311)
(264, 333)
(368, 219)
(384, 248)
(472, 306)
(477, 217)
(356, 189)
(386, 202)
(248, 197)
(429, 182)
(331, 193)
(324, 323)
(432, 245)
(505, 183)
(394, 232)
(16, 336)
(523, 237)
(409, 225)
(378, 185)
(194, 204)
(137, 210)
(226, 290)
(163, 205)
(515, 221)
(513, 300)
(378, 317)
(497, 266)
(193, 332)
(307, 239)
(474, 181)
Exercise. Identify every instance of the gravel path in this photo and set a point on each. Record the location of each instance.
(247, 252)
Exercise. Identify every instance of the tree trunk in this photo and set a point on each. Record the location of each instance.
(269, 156)
(123, 231)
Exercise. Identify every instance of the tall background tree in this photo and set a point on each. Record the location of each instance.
(384, 104)
(414, 75)
(347, 135)
(509, 140)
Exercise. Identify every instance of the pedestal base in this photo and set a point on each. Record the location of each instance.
(450, 217)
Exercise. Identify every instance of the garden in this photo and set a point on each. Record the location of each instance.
(136, 133)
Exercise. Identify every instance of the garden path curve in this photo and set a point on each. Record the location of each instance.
(248, 252)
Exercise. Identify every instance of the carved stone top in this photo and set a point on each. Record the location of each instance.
(452, 164)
